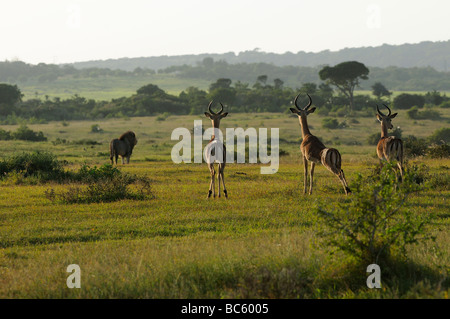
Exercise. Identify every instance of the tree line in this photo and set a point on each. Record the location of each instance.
(335, 95)
(396, 78)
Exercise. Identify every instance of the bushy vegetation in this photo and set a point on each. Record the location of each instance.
(35, 166)
(415, 114)
(104, 184)
(376, 226)
(22, 133)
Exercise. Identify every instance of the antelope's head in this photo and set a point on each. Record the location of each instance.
(215, 117)
(303, 112)
(386, 119)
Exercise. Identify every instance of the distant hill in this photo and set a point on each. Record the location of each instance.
(424, 54)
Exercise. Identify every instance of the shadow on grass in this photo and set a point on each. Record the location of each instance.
(400, 279)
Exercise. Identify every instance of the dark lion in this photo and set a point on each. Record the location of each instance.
(122, 146)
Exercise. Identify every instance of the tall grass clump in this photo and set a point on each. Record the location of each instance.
(376, 225)
(36, 166)
(102, 184)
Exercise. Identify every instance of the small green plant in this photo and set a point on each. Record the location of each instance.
(440, 136)
(41, 165)
(104, 184)
(26, 134)
(95, 128)
(375, 226)
(330, 123)
(163, 117)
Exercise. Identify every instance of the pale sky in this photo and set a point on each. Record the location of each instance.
(63, 31)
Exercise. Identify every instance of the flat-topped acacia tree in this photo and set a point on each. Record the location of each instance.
(345, 76)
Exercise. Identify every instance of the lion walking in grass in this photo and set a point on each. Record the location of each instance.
(122, 146)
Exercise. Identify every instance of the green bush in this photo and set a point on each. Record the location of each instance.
(95, 128)
(376, 225)
(445, 105)
(415, 146)
(42, 165)
(26, 134)
(439, 151)
(104, 184)
(440, 136)
(330, 123)
(415, 114)
(5, 135)
(406, 101)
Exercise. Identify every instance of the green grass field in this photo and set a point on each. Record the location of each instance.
(258, 243)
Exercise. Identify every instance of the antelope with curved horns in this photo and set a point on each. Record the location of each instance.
(215, 151)
(389, 147)
(314, 151)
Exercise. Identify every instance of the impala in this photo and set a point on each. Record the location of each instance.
(389, 148)
(215, 151)
(314, 151)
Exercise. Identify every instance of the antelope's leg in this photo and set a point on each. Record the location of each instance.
(212, 186)
(400, 167)
(311, 177)
(218, 177)
(222, 169)
(211, 183)
(344, 182)
(305, 164)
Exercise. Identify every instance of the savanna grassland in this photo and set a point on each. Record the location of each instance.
(258, 243)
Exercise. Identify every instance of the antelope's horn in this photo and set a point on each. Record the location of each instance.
(309, 103)
(388, 109)
(221, 109)
(209, 108)
(295, 102)
(379, 112)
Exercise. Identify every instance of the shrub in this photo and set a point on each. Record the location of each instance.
(406, 101)
(104, 184)
(95, 128)
(26, 134)
(439, 151)
(42, 165)
(373, 139)
(415, 146)
(415, 114)
(375, 226)
(445, 105)
(440, 136)
(330, 123)
(5, 135)
(163, 117)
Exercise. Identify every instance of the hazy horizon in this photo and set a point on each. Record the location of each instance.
(68, 31)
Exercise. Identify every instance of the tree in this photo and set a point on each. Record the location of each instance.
(406, 101)
(345, 76)
(221, 91)
(152, 90)
(379, 90)
(221, 83)
(9, 96)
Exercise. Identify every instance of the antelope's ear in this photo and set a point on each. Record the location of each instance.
(393, 115)
(378, 117)
(293, 110)
(207, 115)
(224, 114)
(311, 110)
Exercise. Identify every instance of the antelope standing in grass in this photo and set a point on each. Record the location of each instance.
(314, 151)
(215, 151)
(389, 148)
